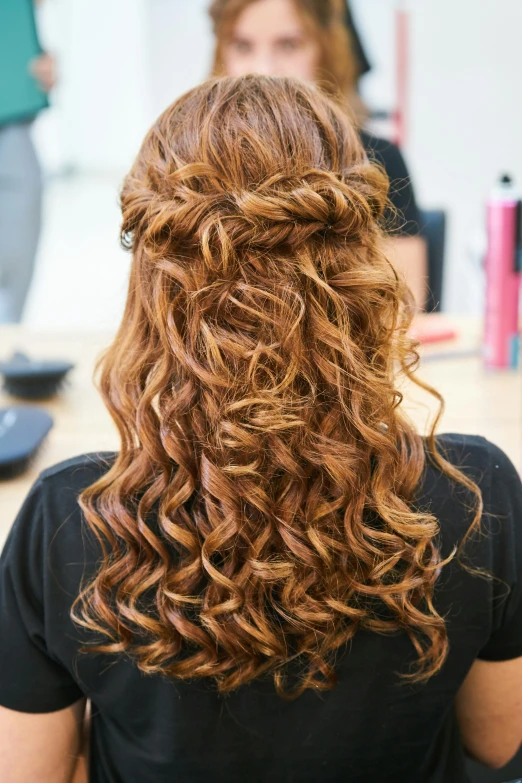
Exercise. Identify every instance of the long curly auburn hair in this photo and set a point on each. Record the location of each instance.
(261, 509)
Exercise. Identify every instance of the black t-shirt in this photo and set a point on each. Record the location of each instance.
(403, 217)
(370, 727)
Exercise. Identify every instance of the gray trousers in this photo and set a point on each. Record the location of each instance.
(20, 217)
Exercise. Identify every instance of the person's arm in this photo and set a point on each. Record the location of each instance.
(42, 747)
(489, 711)
(409, 256)
(81, 772)
(42, 706)
(489, 702)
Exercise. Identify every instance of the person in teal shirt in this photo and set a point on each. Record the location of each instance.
(27, 74)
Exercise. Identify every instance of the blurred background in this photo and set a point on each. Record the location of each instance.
(121, 62)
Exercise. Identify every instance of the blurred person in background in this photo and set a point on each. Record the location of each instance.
(20, 175)
(311, 40)
(276, 578)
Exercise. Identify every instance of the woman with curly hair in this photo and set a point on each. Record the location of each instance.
(312, 40)
(275, 578)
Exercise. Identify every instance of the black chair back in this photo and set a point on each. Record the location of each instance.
(433, 229)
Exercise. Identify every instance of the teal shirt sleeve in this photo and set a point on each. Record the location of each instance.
(21, 97)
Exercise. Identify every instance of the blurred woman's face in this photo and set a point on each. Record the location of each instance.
(270, 39)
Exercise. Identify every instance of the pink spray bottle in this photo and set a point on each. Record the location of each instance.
(503, 277)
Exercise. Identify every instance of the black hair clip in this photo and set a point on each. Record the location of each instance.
(33, 380)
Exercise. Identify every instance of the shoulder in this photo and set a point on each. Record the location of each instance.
(480, 460)
(462, 449)
(384, 151)
(78, 469)
(48, 531)
(474, 455)
(389, 156)
(372, 142)
(402, 218)
(63, 483)
(488, 467)
(53, 498)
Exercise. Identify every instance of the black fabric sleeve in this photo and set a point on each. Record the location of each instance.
(503, 523)
(402, 218)
(31, 680)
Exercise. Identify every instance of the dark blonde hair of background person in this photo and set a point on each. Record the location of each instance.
(261, 509)
(324, 19)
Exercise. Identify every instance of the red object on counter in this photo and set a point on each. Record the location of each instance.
(433, 332)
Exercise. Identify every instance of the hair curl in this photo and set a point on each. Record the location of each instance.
(338, 69)
(261, 508)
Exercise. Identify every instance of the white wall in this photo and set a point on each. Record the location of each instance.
(465, 124)
(179, 49)
(100, 106)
